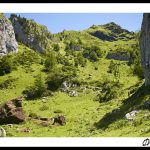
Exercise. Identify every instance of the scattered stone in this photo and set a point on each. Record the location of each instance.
(147, 104)
(60, 120)
(2, 132)
(65, 85)
(12, 112)
(74, 85)
(73, 94)
(131, 115)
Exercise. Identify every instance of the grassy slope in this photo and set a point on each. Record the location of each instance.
(81, 112)
(84, 115)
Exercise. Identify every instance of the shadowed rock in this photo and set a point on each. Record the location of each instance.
(145, 46)
(12, 112)
(60, 120)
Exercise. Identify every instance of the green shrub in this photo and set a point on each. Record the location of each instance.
(93, 53)
(55, 79)
(7, 83)
(110, 90)
(27, 58)
(6, 65)
(69, 71)
(80, 60)
(114, 68)
(56, 47)
(38, 90)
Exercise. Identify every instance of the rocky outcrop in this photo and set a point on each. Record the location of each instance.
(145, 46)
(7, 36)
(103, 36)
(12, 112)
(30, 33)
(122, 56)
(111, 32)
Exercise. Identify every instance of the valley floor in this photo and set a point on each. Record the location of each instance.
(83, 113)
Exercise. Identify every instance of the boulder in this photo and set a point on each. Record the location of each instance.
(2, 132)
(12, 112)
(64, 87)
(131, 115)
(59, 120)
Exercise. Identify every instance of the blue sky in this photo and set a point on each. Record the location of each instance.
(57, 22)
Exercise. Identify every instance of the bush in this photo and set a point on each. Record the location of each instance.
(93, 53)
(38, 90)
(5, 65)
(69, 71)
(114, 68)
(27, 58)
(80, 60)
(56, 47)
(111, 90)
(55, 79)
(7, 83)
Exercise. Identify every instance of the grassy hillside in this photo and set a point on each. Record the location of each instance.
(102, 84)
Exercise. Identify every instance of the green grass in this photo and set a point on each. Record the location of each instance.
(83, 113)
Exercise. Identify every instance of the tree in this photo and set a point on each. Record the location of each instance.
(55, 79)
(50, 61)
(38, 89)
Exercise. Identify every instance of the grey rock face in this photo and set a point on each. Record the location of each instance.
(30, 35)
(8, 42)
(122, 56)
(145, 46)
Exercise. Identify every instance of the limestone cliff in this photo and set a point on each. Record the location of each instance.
(145, 46)
(7, 36)
(30, 33)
